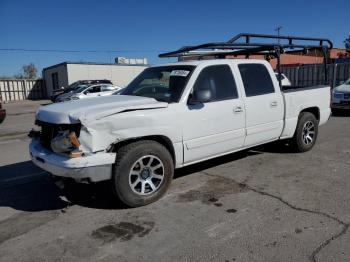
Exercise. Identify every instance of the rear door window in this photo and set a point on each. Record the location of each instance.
(219, 80)
(256, 79)
(95, 89)
(105, 88)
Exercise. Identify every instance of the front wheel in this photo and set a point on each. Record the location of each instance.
(306, 132)
(142, 173)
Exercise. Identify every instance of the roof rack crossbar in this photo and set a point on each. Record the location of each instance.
(281, 37)
(234, 44)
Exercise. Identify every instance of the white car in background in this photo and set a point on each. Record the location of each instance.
(341, 97)
(87, 91)
(284, 80)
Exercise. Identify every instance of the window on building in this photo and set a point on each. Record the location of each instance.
(219, 80)
(256, 79)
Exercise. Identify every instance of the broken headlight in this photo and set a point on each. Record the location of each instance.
(66, 143)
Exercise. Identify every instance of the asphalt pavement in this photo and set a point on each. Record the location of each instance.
(265, 204)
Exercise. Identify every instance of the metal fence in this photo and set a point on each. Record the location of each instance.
(309, 75)
(22, 89)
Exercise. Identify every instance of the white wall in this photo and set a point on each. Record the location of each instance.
(120, 75)
(22, 89)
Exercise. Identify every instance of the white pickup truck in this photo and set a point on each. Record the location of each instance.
(172, 116)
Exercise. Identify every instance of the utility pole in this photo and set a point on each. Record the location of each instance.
(278, 29)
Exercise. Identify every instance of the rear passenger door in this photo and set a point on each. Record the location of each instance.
(264, 104)
(217, 126)
(94, 91)
(107, 90)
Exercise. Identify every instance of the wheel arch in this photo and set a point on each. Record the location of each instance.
(313, 110)
(161, 139)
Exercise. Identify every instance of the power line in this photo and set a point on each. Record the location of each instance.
(79, 51)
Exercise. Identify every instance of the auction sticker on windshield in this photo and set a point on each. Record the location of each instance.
(183, 73)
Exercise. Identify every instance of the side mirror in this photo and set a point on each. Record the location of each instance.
(341, 82)
(86, 92)
(200, 96)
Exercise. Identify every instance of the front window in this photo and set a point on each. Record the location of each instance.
(165, 83)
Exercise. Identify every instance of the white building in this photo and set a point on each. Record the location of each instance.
(66, 73)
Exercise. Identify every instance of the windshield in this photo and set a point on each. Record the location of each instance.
(74, 85)
(165, 83)
(80, 88)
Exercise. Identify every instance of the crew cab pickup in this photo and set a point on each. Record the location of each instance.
(172, 116)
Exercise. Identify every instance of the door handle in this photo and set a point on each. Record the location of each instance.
(238, 109)
(273, 104)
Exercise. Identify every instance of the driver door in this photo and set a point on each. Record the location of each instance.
(217, 126)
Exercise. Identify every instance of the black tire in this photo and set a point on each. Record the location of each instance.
(126, 158)
(298, 141)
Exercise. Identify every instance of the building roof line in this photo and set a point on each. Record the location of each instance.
(90, 63)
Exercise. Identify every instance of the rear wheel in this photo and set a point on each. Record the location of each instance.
(142, 173)
(306, 132)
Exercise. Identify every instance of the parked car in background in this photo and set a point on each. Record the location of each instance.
(2, 112)
(86, 91)
(341, 97)
(284, 80)
(71, 87)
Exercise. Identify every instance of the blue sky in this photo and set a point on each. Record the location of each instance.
(146, 28)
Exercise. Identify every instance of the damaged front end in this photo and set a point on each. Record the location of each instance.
(74, 138)
(56, 148)
(59, 138)
(66, 143)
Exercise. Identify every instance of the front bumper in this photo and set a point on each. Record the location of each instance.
(92, 168)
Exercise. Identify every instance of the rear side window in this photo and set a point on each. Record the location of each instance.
(107, 88)
(256, 79)
(219, 80)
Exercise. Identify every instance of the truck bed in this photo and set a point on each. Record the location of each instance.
(299, 98)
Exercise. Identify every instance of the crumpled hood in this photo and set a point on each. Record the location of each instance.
(86, 110)
(343, 88)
